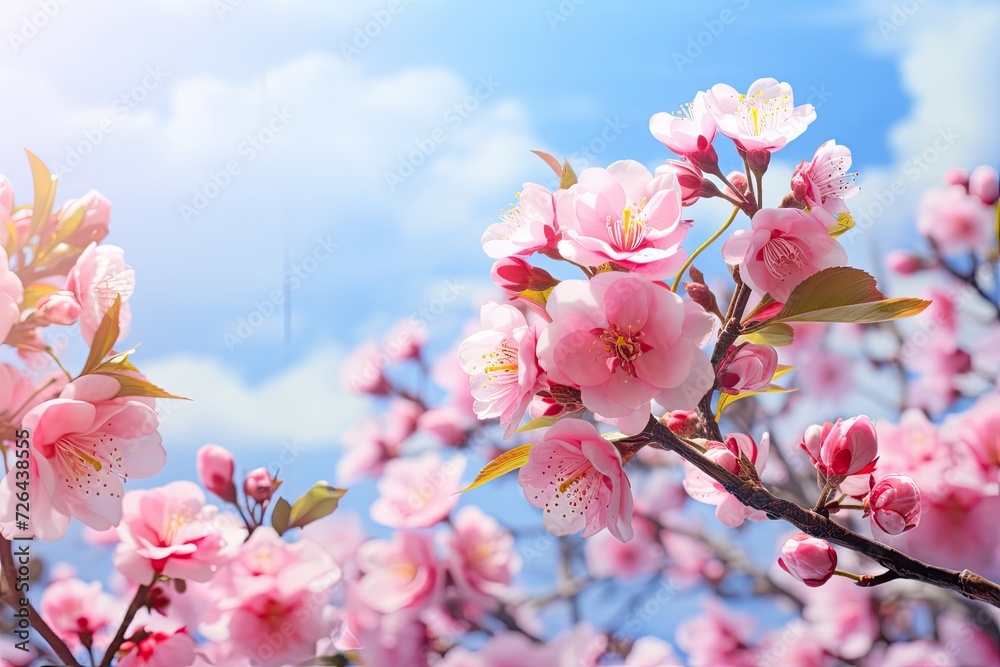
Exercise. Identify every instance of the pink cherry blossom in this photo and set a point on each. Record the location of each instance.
(448, 424)
(765, 119)
(96, 218)
(747, 367)
(985, 184)
(170, 531)
(808, 559)
(717, 637)
(159, 648)
(527, 227)
(824, 181)
(58, 308)
(652, 652)
(373, 442)
(729, 510)
(77, 611)
(846, 447)
(11, 292)
(980, 432)
(401, 573)
(626, 216)
(273, 593)
(576, 477)
(841, 617)
(418, 492)
(785, 247)
(406, 340)
(690, 180)
(894, 503)
(339, 535)
(904, 262)
(624, 341)
(19, 392)
(99, 276)
(607, 556)
(215, 467)
(500, 360)
(364, 370)
(258, 485)
(481, 556)
(957, 222)
(681, 132)
(83, 445)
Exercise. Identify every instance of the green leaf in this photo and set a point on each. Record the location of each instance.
(45, 192)
(568, 177)
(319, 501)
(104, 338)
(725, 400)
(510, 460)
(843, 294)
(133, 386)
(777, 335)
(280, 515)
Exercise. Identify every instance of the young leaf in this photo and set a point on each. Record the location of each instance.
(844, 294)
(541, 422)
(568, 176)
(45, 192)
(777, 335)
(725, 400)
(133, 386)
(34, 292)
(551, 161)
(280, 515)
(105, 337)
(319, 501)
(510, 460)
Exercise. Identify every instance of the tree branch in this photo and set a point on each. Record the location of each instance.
(36, 620)
(137, 603)
(753, 494)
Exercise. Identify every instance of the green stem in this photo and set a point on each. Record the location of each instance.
(702, 247)
(51, 353)
(847, 575)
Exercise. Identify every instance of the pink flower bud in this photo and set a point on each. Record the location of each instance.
(808, 559)
(758, 160)
(812, 441)
(684, 423)
(718, 453)
(894, 503)
(689, 177)
(58, 308)
(215, 470)
(985, 184)
(747, 367)
(258, 485)
(515, 275)
(957, 176)
(96, 218)
(903, 262)
(849, 448)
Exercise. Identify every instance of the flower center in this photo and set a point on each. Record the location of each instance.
(501, 364)
(627, 232)
(759, 114)
(783, 257)
(623, 346)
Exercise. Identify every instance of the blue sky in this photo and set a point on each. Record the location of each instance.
(285, 123)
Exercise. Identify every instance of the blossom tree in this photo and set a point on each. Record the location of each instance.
(774, 463)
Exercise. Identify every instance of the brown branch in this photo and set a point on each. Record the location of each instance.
(137, 603)
(36, 620)
(753, 494)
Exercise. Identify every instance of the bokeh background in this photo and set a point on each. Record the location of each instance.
(290, 179)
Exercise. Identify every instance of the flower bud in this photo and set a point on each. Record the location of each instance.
(703, 296)
(984, 184)
(58, 308)
(705, 158)
(849, 448)
(808, 559)
(904, 263)
(740, 182)
(684, 423)
(215, 470)
(96, 218)
(956, 176)
(894, 503)
(747, 367)
(758, 160)
(689, 177)
(258, 485)
(515, 275)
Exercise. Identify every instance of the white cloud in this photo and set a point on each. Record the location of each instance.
(303, 404)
